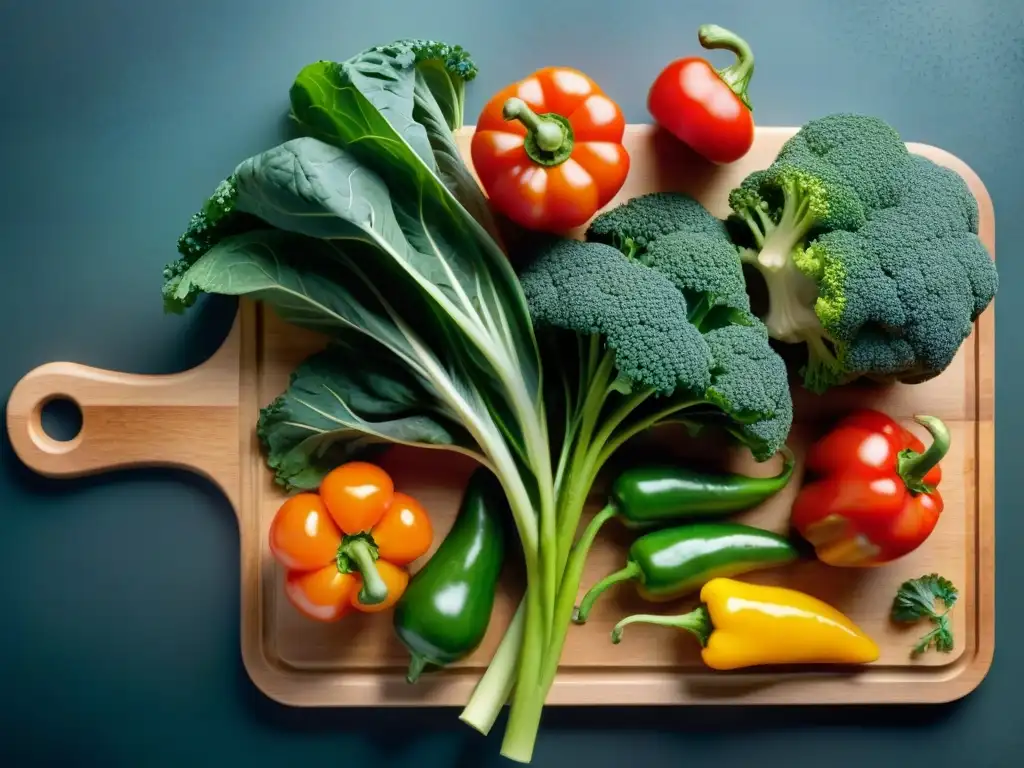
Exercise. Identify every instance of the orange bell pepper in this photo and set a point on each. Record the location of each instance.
(548, 150)
(874, 493)
(346, 547)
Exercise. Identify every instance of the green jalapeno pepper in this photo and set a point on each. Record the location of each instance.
(444, 613)
(644, 497)
(658, 496)
(672, 562)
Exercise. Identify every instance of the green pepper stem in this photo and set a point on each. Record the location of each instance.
(788, 464)
(549, 137)
(630, 572)
(548, 134)
(417, 664)
(913, 466)
(697, 621)
(737, 75)
(374, 589)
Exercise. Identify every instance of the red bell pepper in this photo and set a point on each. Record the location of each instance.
(708, 109)
(875, 497)
(548, 150)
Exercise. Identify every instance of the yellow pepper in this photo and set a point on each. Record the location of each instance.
(743, 625)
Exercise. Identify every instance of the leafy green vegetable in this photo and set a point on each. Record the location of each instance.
(344, 403)
(915, 600)
(370, 228)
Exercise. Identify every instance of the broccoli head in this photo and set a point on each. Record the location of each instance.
(659, 286)
(869, 254)
(635, 224)
(592, 288)
(672, 233)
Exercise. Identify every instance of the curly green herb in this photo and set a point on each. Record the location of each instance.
(915, 600)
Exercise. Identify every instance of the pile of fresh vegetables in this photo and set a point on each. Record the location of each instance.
(369, 227)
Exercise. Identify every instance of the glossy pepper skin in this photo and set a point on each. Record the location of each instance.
(548, 150)
(649, 496)
(874, 494)
(444, 613)
(705, 108)
(657, 496)
(744, 625)
(346, 546)
(672, 562)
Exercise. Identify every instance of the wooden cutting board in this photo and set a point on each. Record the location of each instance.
(204, 420)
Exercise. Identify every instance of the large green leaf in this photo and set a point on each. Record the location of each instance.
(371, 107)
(316, 189)
(304, 280)
(347, 402)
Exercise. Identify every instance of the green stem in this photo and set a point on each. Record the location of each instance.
(697, 621)
(580, 550)
(527, 696)
(492, 691)
(629, 573)
(374, 589)
(573, 573)
(737, 75)
(626, 407)
(913, 466)
(417, 664)
(549, 137)
(579, 480)
(619, 439)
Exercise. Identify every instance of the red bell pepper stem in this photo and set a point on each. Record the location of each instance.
(737, 75)
(549, 138)
(913, 466)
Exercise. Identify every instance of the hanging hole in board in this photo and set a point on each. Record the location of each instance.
(60, 422)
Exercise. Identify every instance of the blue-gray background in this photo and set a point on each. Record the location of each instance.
(119, 595)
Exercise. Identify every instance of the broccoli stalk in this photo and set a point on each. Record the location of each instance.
(616, 322)
(789, 271)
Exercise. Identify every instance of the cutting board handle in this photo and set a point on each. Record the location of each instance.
(187, 420)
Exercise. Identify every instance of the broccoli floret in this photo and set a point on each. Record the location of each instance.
(447, 69)
(707, 270)
(750, 383)
(672, 233)
(719, 370)
(632, 226)
(592, 288)
(869, 254)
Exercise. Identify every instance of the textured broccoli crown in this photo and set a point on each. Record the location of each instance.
(830, 175)
(914, 278)
(750, 384)
(859, 157)
(706, 268)
(634, 225)
(592, 288)
(870, 254)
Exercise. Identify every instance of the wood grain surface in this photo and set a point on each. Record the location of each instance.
(204, 419)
